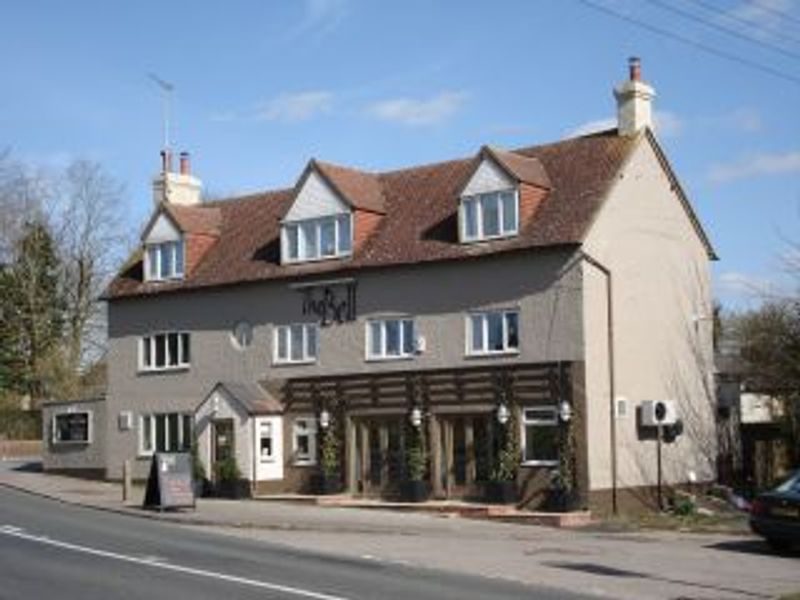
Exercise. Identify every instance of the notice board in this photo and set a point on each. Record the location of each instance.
(170, 483)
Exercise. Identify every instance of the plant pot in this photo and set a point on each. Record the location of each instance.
(501, 492)
(560, 500)
(415, 491)
(325, 485)
(233, 489)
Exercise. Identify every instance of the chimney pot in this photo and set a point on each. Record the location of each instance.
(166, 161)
(184, 163)
(635, 68)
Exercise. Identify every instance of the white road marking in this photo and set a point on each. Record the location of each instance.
(12, 531)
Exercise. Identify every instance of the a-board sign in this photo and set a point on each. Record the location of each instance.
(170, 482)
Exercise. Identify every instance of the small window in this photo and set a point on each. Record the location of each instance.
(316, 239)
(265, 443)
(242, 335)
(73, 427)
(305, 441)
(165, 351)
(165, 432)
(540, 436)
(493, 332)
(489, 216)
(390, 338)
(164, 260)
(296, 343)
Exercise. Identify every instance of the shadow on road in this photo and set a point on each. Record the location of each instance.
(33, 466)
(759, 547)
(596, 569)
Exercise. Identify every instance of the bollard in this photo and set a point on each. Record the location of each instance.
(126, 480)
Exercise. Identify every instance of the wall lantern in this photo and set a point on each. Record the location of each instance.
(324, 418)
(565, 411)
(215, 405)
(502, 414)
(415, 416)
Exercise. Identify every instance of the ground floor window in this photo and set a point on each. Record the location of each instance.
(540, 436)
(71, 427)
(165, 432)
(304, 443)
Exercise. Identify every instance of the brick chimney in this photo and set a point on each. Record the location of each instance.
(634, 101)
(176, 188)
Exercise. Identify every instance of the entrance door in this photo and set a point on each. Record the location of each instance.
(222, 442)
(466, 454)
(380, 452)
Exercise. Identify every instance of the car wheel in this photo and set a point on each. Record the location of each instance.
(779, 545)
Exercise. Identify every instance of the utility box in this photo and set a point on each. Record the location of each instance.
(658, 412)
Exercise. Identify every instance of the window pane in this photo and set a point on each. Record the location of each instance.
(408, 337)
(490, 213)
(512, 326)
(152, 262)
(283, 343)
(495, 331)
(296, 342)
(345, 234)
(292, 241)
(187, 433)
(147, 357)
(265, 441)
(179, 258)
(161, 350)
(375, 338)
(309, 232)
(477, 332)
(172, 342)
(392, 338)
(303, 445)
(509, 212)
(147, 434)
(311, 341)
(470, 219)
(186, 356)
(161, 433)
(166, 261)
(174, 433)
(327, 237)
(541, 442)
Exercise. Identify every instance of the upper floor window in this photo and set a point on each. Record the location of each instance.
(390, 338)
(488, 216)
(493, 332)
(164, 260)
(296, 343)
(164, 351)
(317, 239)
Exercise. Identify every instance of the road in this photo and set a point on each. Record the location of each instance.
(50, 549)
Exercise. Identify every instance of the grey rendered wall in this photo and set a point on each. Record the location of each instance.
(75, 456)
(546, 286)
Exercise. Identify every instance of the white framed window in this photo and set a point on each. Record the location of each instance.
(165, 351)
(317, 239)
(73, 427)
(493, 332)
(266, 442)
(540, 436)
(296, 343)
(304, 441)
(489, 216)
(164, 260)
(242, 335)
(390, 338)
(165, 432)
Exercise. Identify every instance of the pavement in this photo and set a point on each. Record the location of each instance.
(661, 565)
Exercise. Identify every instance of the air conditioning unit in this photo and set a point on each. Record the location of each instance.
(658, 412)
(125, 420)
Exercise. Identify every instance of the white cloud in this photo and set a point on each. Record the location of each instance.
(747, 120)
(667, 124)
(416, 112)
(320, 17)
(292, 108)
(758, 165)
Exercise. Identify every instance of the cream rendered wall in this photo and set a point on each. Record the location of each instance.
(662, 327)
(488, 177)
(315, 199)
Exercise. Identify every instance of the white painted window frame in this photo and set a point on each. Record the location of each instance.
(159, 247)
(311, 431)
(150, 339)
(317, 223)
(403, 355)
(89, 427)
(551, 421)
(485, 351)
(152, 420)
(478, 199)
(305, 359)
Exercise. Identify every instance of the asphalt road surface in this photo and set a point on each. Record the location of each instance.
(49, 549)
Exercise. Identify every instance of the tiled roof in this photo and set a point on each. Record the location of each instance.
(420, 222)
(191, 220)
(527, 169)
(361, 189)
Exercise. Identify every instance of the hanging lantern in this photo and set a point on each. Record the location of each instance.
(565, 411)
(324, 418)
(502, 414)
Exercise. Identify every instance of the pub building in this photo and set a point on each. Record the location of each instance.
(486, 325)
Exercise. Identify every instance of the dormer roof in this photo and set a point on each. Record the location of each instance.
(188, 219)
(525, 169)
(358, 189)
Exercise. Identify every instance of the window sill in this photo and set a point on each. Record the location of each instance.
(493, 238)
(293, 363)
(499, 353)
(305, 261)
(539, 463)
(178, 369)
(71, 442)
(378, 359)
(166, 279)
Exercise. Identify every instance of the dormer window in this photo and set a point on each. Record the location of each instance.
(317, 239)
(489, 216)
(164, 260)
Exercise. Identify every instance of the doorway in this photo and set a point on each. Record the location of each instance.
(466, 449)
(222, 442)
(380, 455)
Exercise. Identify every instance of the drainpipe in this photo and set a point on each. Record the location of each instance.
(611, 383)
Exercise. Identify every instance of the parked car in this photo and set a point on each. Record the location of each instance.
(775, 515)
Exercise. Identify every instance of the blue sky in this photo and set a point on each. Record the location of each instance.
(262, 86)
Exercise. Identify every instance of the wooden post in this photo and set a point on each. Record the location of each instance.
(436, 456)
(350, 455)
(469, 447)
(127, 480)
